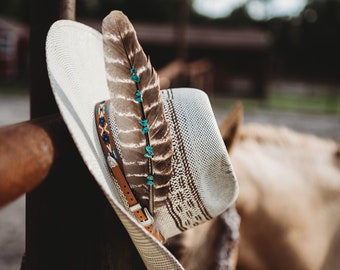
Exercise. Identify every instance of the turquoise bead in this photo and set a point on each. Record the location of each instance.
(148, 156)
(135, 78)
(148, 149)
(138, 97)
(150, 182)
(143, 122)
(133, 70)
(145, 130)
(150, 177)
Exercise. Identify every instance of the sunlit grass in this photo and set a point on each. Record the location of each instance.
(321, 102)
(325, 101)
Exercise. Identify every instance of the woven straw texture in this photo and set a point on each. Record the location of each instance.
(203, 184)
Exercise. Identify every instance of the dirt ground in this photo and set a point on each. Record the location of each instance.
(15, 109)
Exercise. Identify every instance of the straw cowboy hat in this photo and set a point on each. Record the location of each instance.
(157, 155)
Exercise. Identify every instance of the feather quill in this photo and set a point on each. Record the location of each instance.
(134, 92)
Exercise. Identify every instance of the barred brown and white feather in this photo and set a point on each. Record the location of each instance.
(122, 53)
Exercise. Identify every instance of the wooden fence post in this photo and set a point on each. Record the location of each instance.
(69, 223)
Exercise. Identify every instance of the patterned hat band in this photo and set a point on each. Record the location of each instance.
(114, 163)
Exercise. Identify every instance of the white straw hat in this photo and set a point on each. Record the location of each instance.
(202, 183)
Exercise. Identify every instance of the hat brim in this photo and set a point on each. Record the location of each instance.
(75, 62)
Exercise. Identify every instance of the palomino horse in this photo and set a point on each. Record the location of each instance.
(289, 199)
(289, 203)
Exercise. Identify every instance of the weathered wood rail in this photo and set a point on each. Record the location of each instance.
(28, 151)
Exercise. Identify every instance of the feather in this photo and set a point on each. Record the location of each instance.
(143, 132)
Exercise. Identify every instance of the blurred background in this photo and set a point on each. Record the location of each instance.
(284, 53)
(279, 57)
